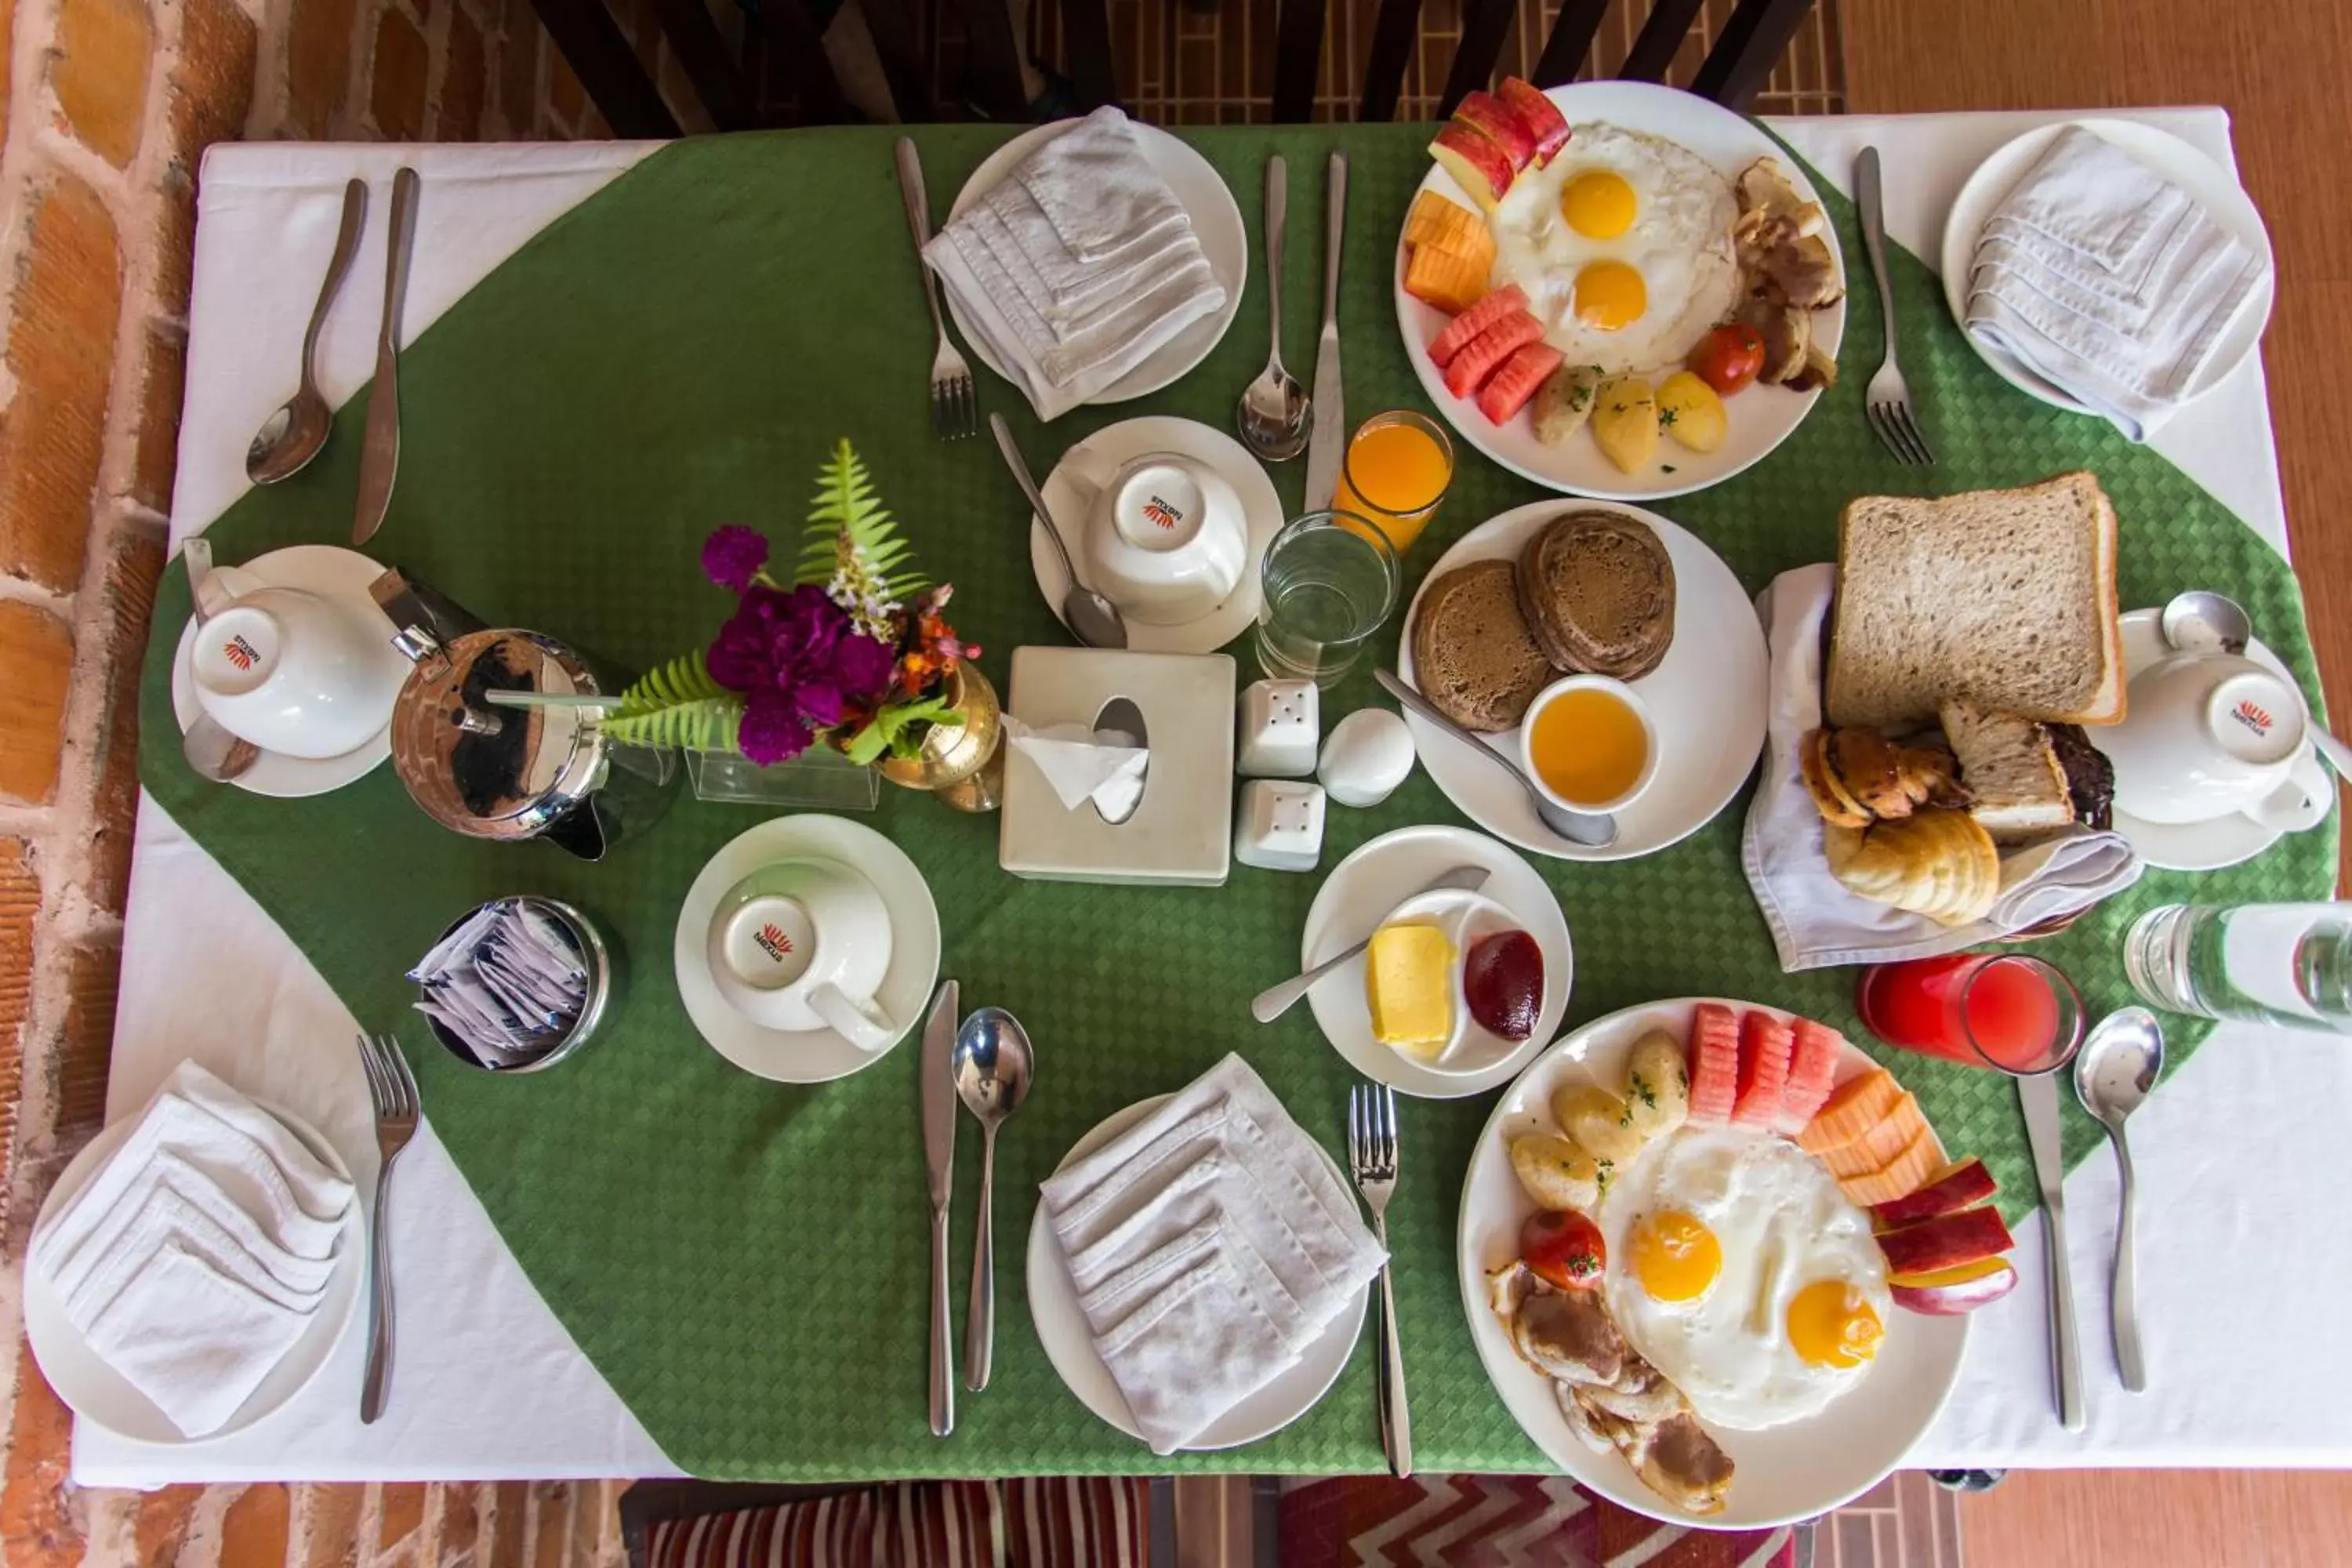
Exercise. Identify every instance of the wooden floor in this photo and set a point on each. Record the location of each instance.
(2279, 67)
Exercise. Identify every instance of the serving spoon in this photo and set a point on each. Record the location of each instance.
(1093, 619)
(1596, 829)
(290, 437)
(2113, 1074)
(2201, 621)
(1273, 413)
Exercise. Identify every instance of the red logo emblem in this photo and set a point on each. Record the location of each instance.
(240, 653)
(1162, 514)
(774, 942)
(2253, 716)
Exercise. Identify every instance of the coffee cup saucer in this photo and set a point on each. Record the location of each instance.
(819, 1055)
(2220, 841)
(1114, 445)
(331, 572)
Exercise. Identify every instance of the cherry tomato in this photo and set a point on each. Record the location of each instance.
(1727, 358)
(1564, 1248)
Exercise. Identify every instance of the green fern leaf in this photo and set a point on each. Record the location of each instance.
(678, 704)
(851, 533)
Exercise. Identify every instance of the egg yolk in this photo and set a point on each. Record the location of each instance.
(1675, 1257)
(1597, 205)
(1831, 1325)
(1609, 295)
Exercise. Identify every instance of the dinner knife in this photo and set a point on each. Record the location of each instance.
(937, 1088)
(1328, 445)
(2037, 1096)
(380, 445)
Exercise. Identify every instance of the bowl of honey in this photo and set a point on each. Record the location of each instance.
(1588, 743)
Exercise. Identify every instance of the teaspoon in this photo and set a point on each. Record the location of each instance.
(1273, 413)
(2113, 1074)
(1093, 619)
(290, 437)
(2201, 621)
(1596, 829)
(993, 1067)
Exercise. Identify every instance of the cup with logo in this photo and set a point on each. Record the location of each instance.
(1165, 534)
(802, 945)
(2207, 734)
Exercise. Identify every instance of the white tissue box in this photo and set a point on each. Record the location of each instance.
(1179, 834)
(1280, 826)
(1281, 725)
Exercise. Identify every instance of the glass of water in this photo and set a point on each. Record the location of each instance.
(2276, 963)
(1330, 582)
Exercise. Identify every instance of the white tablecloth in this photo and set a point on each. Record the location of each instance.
(2244, 1263)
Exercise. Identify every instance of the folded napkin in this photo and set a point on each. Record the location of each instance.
(1211, 1244)
(1815, 919)
(1105, 766)
(2108, 281)
(1078, 266)
(196, 1256)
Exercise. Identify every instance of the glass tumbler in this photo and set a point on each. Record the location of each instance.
(1329, 581)
(1397, 471)
(2273, 964)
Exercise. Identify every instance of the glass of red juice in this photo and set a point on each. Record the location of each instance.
(2008, 1011)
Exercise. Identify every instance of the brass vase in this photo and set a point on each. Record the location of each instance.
(962, 758)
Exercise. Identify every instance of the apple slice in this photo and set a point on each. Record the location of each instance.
(1947, 1292)
(1961, 1186)
(1485, 111)
(1533, 108)
(1483, 170)
(1946, 1242)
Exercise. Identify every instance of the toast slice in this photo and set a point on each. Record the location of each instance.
(1473, 654)
(2017, 788)
(2003, 598)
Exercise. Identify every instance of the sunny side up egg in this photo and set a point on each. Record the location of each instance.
(1737, 1269)
(1622, 246)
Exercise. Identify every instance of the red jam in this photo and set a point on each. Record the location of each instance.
(1502, 979)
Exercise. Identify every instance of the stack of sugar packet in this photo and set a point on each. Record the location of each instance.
(1078, 266)
(1211, 1243)
(509, 983)
(198, 1255)
(2109, 282)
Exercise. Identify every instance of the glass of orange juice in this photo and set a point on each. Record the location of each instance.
(1587, 742)
(1395, 473)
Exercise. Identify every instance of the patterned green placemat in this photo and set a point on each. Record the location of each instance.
(747, 1262)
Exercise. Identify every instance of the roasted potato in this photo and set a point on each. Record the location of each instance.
(1658, 1084)
(1689, 411)
(1556, 1173)
(1597, 1120)
(1625, 422)
(1564, 403)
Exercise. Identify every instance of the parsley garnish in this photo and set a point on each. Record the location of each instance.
(1643, 1091)
(1667, 418)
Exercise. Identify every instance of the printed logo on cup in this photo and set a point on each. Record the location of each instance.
(1164, 513)
(2253, 716)
(772, 941)
(241, 654)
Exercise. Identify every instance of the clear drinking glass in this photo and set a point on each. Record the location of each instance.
(2276, 963)
(1397, 470)
(1331, 581)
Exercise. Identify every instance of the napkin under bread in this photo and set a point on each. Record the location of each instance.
(1209, 1243)
(1815, 919)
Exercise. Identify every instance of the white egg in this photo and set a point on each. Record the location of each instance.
(1675, 239)
(1370, 752)
(1781, 1225)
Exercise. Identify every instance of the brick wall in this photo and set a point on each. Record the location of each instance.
(105, 107)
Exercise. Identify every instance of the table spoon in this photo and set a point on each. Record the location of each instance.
(2113, 1074)
(1274, 407)
(290, 437)
(993, 1067)
(1596, 828)
(2201, 620)
(1093, 619)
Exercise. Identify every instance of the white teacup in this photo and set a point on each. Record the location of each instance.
(803, 944)
(2207, 734)
(1165, 533)
(295, 673)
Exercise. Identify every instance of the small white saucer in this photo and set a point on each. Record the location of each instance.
(1063, 1330)
(810, 1055)
(324, 569)
(1357, 896)
(1130, 438)
(2189, 846)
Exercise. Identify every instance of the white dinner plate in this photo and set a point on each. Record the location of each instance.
(1707, 696)
(1216, 221)
(2190, 846)
(1131, 438)
(1784, 1473)
(97, 1393)
(809, 1056)
(2212, 187)
(333, 573)
(1357, 896)
(1759, 417)
(1069, 1342)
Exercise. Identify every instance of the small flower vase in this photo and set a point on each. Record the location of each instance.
(961, 760)
(819, 776)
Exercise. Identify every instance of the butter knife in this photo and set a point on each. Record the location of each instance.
(939, 1102)
(380, 445)
(1328, 445)
(2037, 1096)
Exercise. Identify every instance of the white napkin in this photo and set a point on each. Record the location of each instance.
(195, 1342)
(1816, 922)
(1079, 265)
(1083, 764)
(2108, 281)
(1210, 1244)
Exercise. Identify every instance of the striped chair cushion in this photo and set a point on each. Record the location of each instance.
(1043, 1522)
(1498, 1521)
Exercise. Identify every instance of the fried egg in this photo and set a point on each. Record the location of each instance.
(1737, 1269)
(1622, 246)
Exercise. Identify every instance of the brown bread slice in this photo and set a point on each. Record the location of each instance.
(1472, 654)
(1598, 590)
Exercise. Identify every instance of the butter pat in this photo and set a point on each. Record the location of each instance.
(1409, 983)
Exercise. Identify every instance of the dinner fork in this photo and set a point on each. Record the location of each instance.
(392, 1091)
(1372, 1162)
(955, 410)
(1886, 401)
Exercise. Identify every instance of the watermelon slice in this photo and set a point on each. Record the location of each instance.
(1507, 390)
(1491, 308)
(1486, 352)
(1812, 1069)
(1764, 1045)
(1714, 1063)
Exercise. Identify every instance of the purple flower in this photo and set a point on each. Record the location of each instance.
(733, 555)
(799, 665)
(771, 730)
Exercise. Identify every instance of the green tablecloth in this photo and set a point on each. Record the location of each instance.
(747, 1262)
